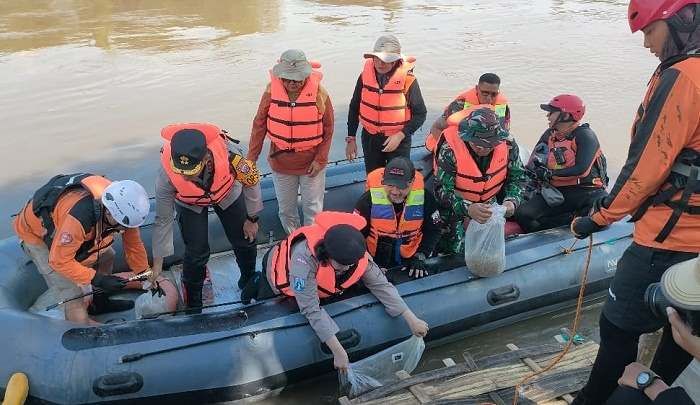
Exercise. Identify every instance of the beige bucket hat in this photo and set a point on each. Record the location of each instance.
(387, 48)
(681, 284)
(292, 65)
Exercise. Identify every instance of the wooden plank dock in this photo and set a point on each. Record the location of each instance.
(492, 379)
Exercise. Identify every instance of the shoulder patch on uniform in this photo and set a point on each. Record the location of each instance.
(66, 238)
(301, 260)
(299, 284)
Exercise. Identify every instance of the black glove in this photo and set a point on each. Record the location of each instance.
(416, 266)
(108, 283)
(543, 173)
(582, 227)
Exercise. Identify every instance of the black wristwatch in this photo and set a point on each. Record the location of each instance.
(645, 379)
(253, 219)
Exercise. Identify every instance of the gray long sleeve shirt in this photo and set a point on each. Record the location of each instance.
(165, 210)
(304, 266)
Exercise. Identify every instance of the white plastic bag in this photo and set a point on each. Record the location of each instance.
(485, 244)
(149, 303)
(380, 369)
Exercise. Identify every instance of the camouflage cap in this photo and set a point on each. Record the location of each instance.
(483, 128)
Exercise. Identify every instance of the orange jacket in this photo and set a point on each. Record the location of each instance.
(470, 182)
(406, 230)
(75, 246)
(187, 191)
(296, 125)
(328, 285)
(384, 110)
(454, 119)
(668, 122)
(567, 146)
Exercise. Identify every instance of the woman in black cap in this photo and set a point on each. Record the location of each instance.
(322, 260)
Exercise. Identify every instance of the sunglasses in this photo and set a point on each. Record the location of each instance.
(486, 143)
(288, 81)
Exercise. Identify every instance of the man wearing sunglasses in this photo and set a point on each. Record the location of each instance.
(296, 115)
(486, 93)
(67, 229)
(474, 168)
(567, 157)
(321, 261)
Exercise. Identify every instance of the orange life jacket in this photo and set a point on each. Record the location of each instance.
(385, 110)
(190, 192)
(431, 142)
(470, 182)
(328, 283)
(295, 125)
(406, 231)
(594, 176)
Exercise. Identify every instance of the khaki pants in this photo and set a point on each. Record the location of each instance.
(62, 287)
(689, 380)
(288, 187)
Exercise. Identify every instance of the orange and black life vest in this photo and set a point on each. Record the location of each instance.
(470, 182)
(406, 230)
(295, 125)
(561, 154)
(188, 191)
(328, 283)
(385, 110)
(46, 197)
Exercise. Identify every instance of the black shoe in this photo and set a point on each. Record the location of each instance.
(193, 297)
(250, 289)
(102, 304)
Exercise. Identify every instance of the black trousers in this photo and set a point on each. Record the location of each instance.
(534, 214)
(195, 234)
(625, 317)
(372, 146)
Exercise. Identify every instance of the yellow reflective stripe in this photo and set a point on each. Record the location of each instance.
(467, 104)
(501, 110)
(378, 196)
(415, 197)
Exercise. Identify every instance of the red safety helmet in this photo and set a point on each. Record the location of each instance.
(641, 13)
(567, 103)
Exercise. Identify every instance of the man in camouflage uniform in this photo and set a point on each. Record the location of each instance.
(481, 133)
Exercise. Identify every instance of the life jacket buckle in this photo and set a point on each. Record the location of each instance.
(293, 104)
(380, 91)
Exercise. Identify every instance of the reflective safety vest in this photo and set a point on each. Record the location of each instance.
(384, 110)
(406, 231)
(561, 154)
(454, 119)
(470, 182)
(471, 98)
(328, 283)
(188, 191)
(295, 125)
(46, 197)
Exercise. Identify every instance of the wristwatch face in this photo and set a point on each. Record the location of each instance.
(643, 378)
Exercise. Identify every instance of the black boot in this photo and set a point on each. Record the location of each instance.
(245, 258)
(102, 304)
(193, 297)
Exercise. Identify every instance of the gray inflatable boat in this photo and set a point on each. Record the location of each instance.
(235, 352)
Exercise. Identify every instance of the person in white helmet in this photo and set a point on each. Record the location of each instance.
(67, 228)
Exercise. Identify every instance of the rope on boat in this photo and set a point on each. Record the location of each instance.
(577, 318)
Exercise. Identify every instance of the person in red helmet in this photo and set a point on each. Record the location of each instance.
(659, 187)
(567, 157)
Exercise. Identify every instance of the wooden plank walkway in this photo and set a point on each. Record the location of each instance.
(492, 379)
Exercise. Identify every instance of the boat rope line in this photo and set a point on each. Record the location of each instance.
(574, 328)
(128, 358)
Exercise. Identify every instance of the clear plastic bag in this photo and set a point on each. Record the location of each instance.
(380, 369)
(150, 303)
(485, 245)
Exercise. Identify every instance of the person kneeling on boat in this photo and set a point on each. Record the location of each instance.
(475, 167)
(567, 157)
(67, 229)
(199, 171)
(322, 260)
(403, 222)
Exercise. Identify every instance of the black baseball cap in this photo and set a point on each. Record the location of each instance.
(187, 150)
(399, 172)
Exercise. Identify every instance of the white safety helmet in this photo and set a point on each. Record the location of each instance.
(127, 202)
